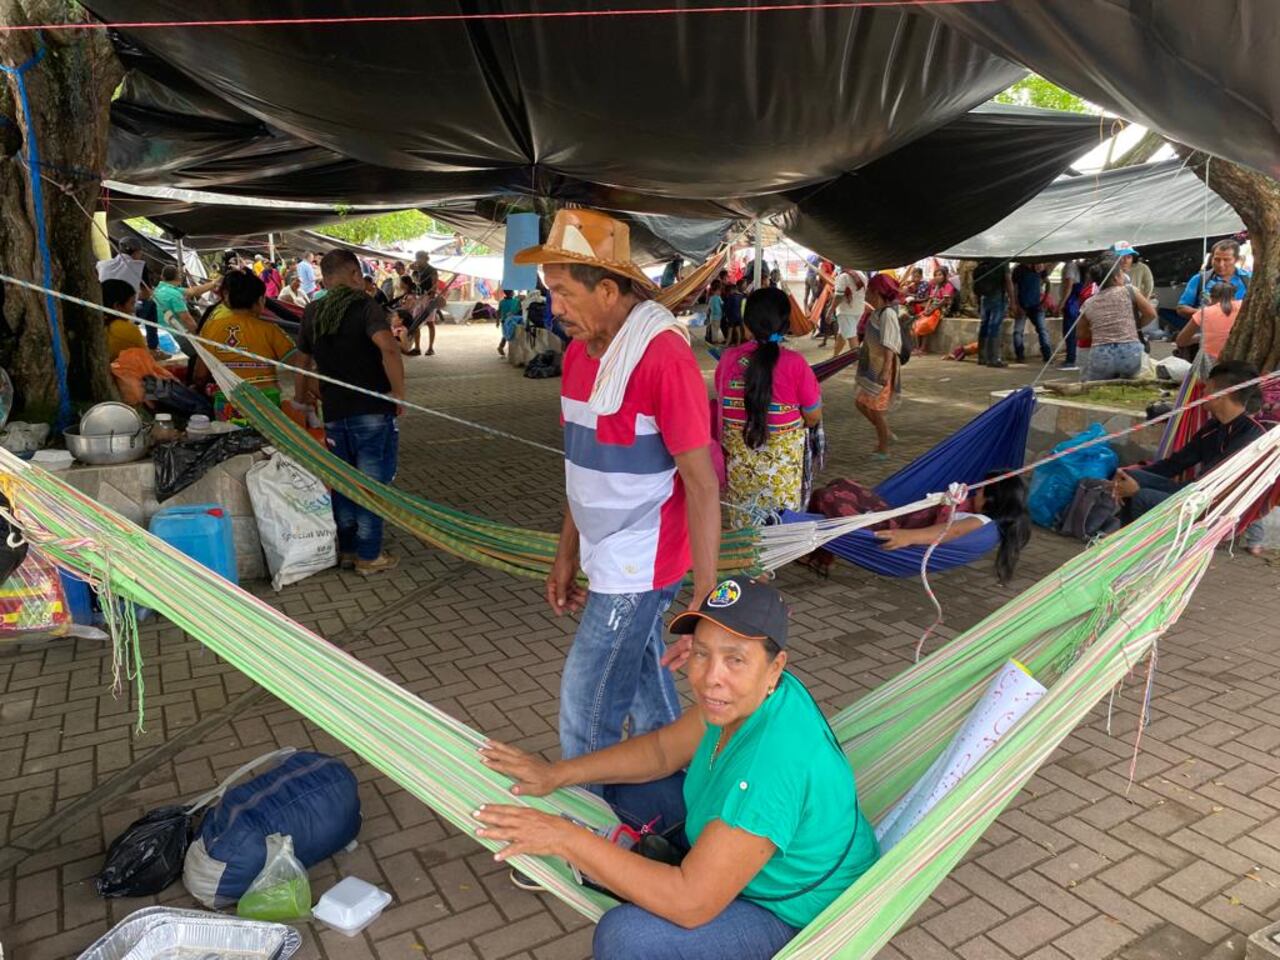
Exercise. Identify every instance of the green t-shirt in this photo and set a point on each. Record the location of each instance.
(169, 304)
(783, 776)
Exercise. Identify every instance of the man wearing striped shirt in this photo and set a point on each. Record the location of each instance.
(643, 499)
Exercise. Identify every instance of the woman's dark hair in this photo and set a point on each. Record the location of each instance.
(767, 313)
(1232, 373)
(1105, 271)
(115, 294)
(243, 289)
(944, 270)
(1224, 295)
(1006, 505)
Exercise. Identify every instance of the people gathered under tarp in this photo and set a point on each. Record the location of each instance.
(347, 336)
(642, 494)
(241, 325)
(768, 397)
(879, 382)
(1229, 430)
(1224, 267)
(749, 801)
(1108, 324)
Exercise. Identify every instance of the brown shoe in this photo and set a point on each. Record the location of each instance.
(383, 563)
(346, 561)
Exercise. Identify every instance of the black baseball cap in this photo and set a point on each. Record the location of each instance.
(742, 606)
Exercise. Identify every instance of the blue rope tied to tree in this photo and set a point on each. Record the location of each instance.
(18, 74)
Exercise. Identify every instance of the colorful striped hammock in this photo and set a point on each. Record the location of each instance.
(1080, 642)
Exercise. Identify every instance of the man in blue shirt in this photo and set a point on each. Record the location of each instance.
(1028, 284)
(1199, 289)
(307, 273)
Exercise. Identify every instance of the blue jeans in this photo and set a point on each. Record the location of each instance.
(658, 805)
(370, 443)
(1069, 325)
(1153, 489)
(1036, 316)
(742, 931)
(992, 311)
(613, 672)
(1114, 361)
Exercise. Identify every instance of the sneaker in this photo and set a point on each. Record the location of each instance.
(524, 881)
(1068, 368)
(383, 563)
(346, 561)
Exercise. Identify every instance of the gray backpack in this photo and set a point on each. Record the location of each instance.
(1094, 511)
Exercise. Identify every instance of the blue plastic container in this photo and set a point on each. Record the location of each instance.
(201, 531)
(79, 598)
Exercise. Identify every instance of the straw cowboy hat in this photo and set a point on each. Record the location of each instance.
(591, 238)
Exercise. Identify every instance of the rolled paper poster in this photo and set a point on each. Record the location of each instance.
(1011, 693)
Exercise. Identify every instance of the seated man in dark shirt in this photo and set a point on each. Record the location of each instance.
(1230, 430)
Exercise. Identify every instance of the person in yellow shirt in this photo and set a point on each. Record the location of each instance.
(241, 325)
(122, 334)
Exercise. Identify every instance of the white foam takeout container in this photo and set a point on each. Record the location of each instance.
(351, 905)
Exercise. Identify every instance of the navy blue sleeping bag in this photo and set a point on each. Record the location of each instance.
(310, 797)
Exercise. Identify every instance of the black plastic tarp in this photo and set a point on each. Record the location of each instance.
(1148, 204)
(1203, 72)
(833, 122)
(931, 194)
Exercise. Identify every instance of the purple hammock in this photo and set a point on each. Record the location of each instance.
(996, 439)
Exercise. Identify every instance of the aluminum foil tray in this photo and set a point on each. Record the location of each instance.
(158, 933)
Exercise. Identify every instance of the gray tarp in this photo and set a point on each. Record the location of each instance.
(1203, 72)
(1144, 205)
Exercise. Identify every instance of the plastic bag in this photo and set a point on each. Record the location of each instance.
(295, 520)
(180, 464)
(148, 856)
(1054, 485)
(13, 547)
(32, 600)
(281, 891)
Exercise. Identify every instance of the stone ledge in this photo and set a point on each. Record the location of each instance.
(1264, 944)
(1058, 418)
(130, 490)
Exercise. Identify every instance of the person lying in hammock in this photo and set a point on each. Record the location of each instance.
(1003, 503)
(772, 832)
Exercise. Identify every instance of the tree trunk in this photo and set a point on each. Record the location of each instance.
(1255, 335)
(69, 92)
(1142, 151)
(964, 283)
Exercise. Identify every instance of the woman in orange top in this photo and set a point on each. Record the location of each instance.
(1213, 322)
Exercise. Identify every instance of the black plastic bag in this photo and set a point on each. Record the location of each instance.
(170, 396)
(183, 462)
(11, 557)
(148, 856)
(544, 366)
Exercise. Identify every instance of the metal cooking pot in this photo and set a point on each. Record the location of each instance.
(105, 450)
(111, 417)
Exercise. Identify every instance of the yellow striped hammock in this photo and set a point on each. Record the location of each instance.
(1080, 631)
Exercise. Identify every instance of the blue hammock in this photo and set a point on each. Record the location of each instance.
(996, 439)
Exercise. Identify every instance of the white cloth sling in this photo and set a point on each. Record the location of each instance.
(646, 321)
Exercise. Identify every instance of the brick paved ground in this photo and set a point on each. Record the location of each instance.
(1184, 866)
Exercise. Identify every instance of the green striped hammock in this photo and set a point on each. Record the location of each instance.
(1080, 630)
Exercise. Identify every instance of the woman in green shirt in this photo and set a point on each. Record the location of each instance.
(769, 808)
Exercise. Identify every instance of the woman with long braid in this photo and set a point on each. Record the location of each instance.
(768, 397)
